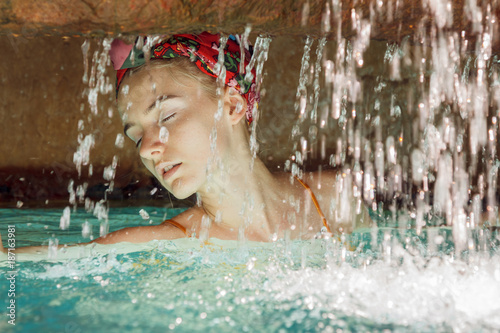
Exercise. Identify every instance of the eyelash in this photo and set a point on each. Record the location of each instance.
(163, 120)
(168, 118)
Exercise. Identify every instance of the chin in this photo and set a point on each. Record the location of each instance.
(180, 191)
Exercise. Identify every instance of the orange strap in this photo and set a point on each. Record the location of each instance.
(177, 225)
(313, 197)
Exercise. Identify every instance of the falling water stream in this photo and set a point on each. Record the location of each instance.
(417, 144)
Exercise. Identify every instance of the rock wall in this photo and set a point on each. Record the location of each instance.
(392, 20)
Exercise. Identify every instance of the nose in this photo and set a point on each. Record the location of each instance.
(151, 146)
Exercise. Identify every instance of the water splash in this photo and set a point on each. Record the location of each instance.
(65, 218)
(437, 158)
(259, 57)
(98, 85)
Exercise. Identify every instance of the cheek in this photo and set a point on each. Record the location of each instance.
(223, 138)
(149, 165)
(191, 136)
(199, 146)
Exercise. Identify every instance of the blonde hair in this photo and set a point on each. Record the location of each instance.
(184, 67)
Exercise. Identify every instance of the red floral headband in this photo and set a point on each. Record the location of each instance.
(203, 50)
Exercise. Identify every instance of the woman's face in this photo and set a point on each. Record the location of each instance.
(170, 119)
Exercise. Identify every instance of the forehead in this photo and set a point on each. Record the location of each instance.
(148, 83)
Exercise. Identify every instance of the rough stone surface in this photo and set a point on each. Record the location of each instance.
(391, 20)
(42, 101)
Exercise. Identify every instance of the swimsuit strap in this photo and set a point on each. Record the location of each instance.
(316, 204)
(177, 225)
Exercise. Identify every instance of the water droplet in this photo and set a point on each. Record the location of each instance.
(163, 136)
(65, 218)
(144, 214)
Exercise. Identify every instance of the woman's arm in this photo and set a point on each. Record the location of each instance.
(140, 234)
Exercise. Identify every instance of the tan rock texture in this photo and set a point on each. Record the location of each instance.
(392, 20)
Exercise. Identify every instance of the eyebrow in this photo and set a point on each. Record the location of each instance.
(149, 109)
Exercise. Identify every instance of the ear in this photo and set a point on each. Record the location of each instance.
(236, 103)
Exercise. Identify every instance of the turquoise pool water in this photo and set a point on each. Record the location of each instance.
(393, 281)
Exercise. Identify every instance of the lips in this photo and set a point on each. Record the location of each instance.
(166, 170)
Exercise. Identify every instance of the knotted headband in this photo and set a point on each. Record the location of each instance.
(203, 50)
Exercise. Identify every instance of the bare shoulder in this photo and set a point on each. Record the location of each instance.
(322, 182)
(334, 191)
(187, 218)
(312, 178)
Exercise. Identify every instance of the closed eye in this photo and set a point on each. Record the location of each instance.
(138, 143)
(168, 117)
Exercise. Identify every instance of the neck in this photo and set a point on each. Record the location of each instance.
(237, 197)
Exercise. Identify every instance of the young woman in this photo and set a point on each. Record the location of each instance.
(195, 140)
